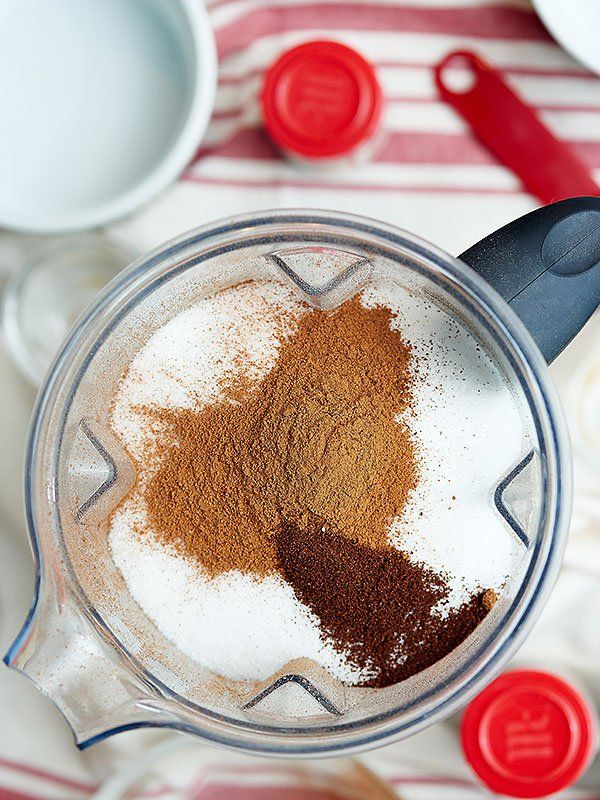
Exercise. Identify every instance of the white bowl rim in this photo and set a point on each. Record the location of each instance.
(552, 15)
(170, 166)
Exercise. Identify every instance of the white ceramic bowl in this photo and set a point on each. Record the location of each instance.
(575, 25)
(103, 103)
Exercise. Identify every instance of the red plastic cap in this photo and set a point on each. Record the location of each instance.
(321, 100)
(529, 734)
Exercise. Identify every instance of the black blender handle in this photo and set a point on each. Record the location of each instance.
(546, 265)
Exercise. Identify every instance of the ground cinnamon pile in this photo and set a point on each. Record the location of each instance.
(317, 437)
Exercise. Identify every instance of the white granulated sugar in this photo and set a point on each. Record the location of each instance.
(233, 624)
(245, 628)
(470, 435)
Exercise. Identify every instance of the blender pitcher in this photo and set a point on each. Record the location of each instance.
(89, 646)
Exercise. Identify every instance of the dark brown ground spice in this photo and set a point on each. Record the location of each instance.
(374, 604)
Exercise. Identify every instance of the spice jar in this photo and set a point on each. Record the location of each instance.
(322, 103)
(530, 733)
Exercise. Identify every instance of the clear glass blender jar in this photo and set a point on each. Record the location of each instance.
(90, 647)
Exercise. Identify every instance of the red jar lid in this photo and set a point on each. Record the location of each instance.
(529, 734)
(321, 100)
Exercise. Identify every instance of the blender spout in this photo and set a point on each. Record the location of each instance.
(62, 653)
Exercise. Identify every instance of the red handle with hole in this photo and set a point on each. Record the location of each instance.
(514, 134)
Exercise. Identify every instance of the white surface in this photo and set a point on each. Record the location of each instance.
(103, 104)
(575, 24)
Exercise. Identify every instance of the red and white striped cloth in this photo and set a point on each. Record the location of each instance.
(225, 781)
(430, 176)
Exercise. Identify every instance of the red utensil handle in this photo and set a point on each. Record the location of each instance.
(512, 131)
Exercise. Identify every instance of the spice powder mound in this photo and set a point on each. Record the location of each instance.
(300, 474)
(375, 604)
(316, 437)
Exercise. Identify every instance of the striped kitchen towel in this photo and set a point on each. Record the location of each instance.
(430, 175)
